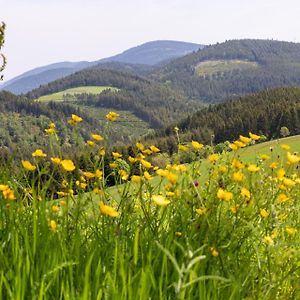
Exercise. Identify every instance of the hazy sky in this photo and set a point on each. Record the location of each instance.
(40, 32)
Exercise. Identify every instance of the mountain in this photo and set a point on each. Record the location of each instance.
(147, 54)
(263, 113)
(222, 71)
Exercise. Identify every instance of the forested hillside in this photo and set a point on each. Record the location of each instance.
(233, 68)
(264, 113)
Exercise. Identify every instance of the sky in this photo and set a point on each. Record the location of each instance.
(40, 32)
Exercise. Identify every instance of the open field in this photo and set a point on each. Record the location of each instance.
(212, 67)
(68, 93)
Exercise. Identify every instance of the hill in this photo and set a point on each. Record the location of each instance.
(222, 71)
(147, 54)
(264, 113)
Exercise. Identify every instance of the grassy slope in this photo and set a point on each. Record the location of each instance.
(59, 96)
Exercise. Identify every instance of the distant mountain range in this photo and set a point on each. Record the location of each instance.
(136, 59)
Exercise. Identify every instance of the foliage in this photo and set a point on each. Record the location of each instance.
(164, 233)
(2, 57)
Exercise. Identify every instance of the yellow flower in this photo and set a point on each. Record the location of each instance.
(213, 157)
(214, 252)
(113, 165)
(253, 168)
(183, 148)
(282, 198)
(27, 165)
(124, 175)
(75, 119)
(52, 225)
(160, 200)
(233, 147)
(172, 178)
(80, 184)
(264, 213)
(234, 208)
(146, 164)
(50, 131)
(3, 187)
(39, 153)
(98, 191)
(62, 194)
(293, 159)
(254, 137)
(108, 210)
(136, 178)
(97, 137)
(285, 147)
(112, 116)
(101, 151)
(268, 240)
(245, 193)
(91, 143)
(131, 159)
(154, 149)
(147, 151)
(291, 230)
(56, 160)
(238, 176)
(264, 157)
(201, 211)
(98, 173)
(239, 144)
(116, 155)
(274, 165)
(224, 195)
(223, 169)
(162, 173)
(88, 175)
(197, 145)
(245, 139)
(237, 164)
(140, 146)
(8, 194)
(288, 182)
(55, 208)
(147, 175)
(68, 165)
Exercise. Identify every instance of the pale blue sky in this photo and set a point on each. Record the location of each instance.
(40, 32)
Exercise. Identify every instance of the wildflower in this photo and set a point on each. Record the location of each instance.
(288, 182)
(154, 149)
(214, 252)
(239, 144)
(162, 173)
(160, 200)
(74, 120)
(172, 178)
(274, 165)
(291, 230)
(268, 240)
(136, 178)
(68, 165)
(254, 137)
(245, 193)
(147, 152)
(253, 168)
(8, 194)
(223, 169)
(123, 174)
(197, 145)
(245, 139)
(280, 173)
(224, 195)
(264, 157)
(102, 151)
(108, 210)
(213, 157)
(234, 208)
(116, 155)
(264, 213)
(61, 194)
(282, 198)
(147, 175)
(80, 184)
(98, 173)
(97, 137)
(233, 146)
(39, 153)
(238, 176)
(183, 148)
(112, 116)
(292, 159)
(50, 131)
(27, 165)
(52, 225)
(131, 159)
(113, 165)
(285, 147)
(3, 187)
(98, 191)
(140, 146)
(91, 143)
(201, 211)
(55, 208)
(237, 164)
(88, 175)
(56, 160)
(146, 164)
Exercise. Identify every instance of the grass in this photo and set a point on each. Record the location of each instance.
(176, 236)
(69, 94)
(220, 67)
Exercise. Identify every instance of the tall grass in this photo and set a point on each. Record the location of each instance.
(231, 234)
